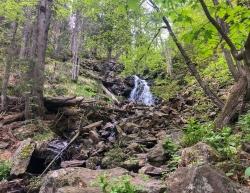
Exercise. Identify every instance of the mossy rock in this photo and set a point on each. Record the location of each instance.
(21, 157)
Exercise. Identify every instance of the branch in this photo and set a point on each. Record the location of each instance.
(219, 29)
(152, 41)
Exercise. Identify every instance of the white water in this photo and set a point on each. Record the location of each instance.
(141, 92)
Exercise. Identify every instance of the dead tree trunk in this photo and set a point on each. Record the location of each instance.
(191, 65)
(10, 56)
(75, 43)
(41, 28)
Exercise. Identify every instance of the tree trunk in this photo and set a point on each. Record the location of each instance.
(27, 30)
(241, 87)
(41, 28)
(191, 66)
(75, 44)
(230, 108)
(230, 63)
(10, 56)
(109, 53)
(227, 54)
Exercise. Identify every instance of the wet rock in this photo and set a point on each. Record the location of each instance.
(157, 155)
(79, 180)
(202, 179)
(198, 154)
(21, 158)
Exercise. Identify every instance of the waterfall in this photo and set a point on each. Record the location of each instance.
(141, 92)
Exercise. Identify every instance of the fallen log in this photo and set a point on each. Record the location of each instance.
(111, 95)
(12, 118)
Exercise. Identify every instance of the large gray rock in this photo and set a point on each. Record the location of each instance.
(198, 154)
(157, 155)
(81, 180)
(202, 179)
(21, 158)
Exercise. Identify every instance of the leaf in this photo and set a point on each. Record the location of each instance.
(247, 172)
(133, 4)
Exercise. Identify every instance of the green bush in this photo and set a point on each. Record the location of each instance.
(195, 132)
(120, 185)
(224, 141)
(4, 169)
(171, 149)
(244, 124)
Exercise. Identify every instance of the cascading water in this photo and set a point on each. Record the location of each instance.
(141, 92)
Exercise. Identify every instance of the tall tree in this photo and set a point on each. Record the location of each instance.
(11, 52)
(35, 101)
(239, 89)
(191, 65)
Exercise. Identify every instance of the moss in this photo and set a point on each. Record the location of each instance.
(26, 151)
(34, 184)
(114, 158)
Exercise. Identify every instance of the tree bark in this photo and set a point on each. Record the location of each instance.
(38, 58)
(227, 54)
(75, 45)
(10, 56)
(27, 31)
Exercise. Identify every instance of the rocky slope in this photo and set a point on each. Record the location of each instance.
(96, 138)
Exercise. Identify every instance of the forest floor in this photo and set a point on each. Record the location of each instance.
(109, 145)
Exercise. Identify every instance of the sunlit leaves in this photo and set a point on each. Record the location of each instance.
(13, 9)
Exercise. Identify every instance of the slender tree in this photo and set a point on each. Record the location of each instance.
(37, 58)
(11, 51)
(191, 65)
(239, 89)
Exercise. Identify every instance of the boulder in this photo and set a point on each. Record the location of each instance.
(198, 154)
(81, 180)
(157, 155)
(21, 158)
(202, 179)
(152, 171)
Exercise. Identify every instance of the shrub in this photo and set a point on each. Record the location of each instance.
(4, 169)
(224, 141)
(171, 149)
(120, 185)
(244, 124)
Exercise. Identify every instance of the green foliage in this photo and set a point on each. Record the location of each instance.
(5, 168)
(224, 141)
(171, 149)
(120, 185)
(247, 172)
(244, 124)
(218, 73)
(195, 132)
(166, 88)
